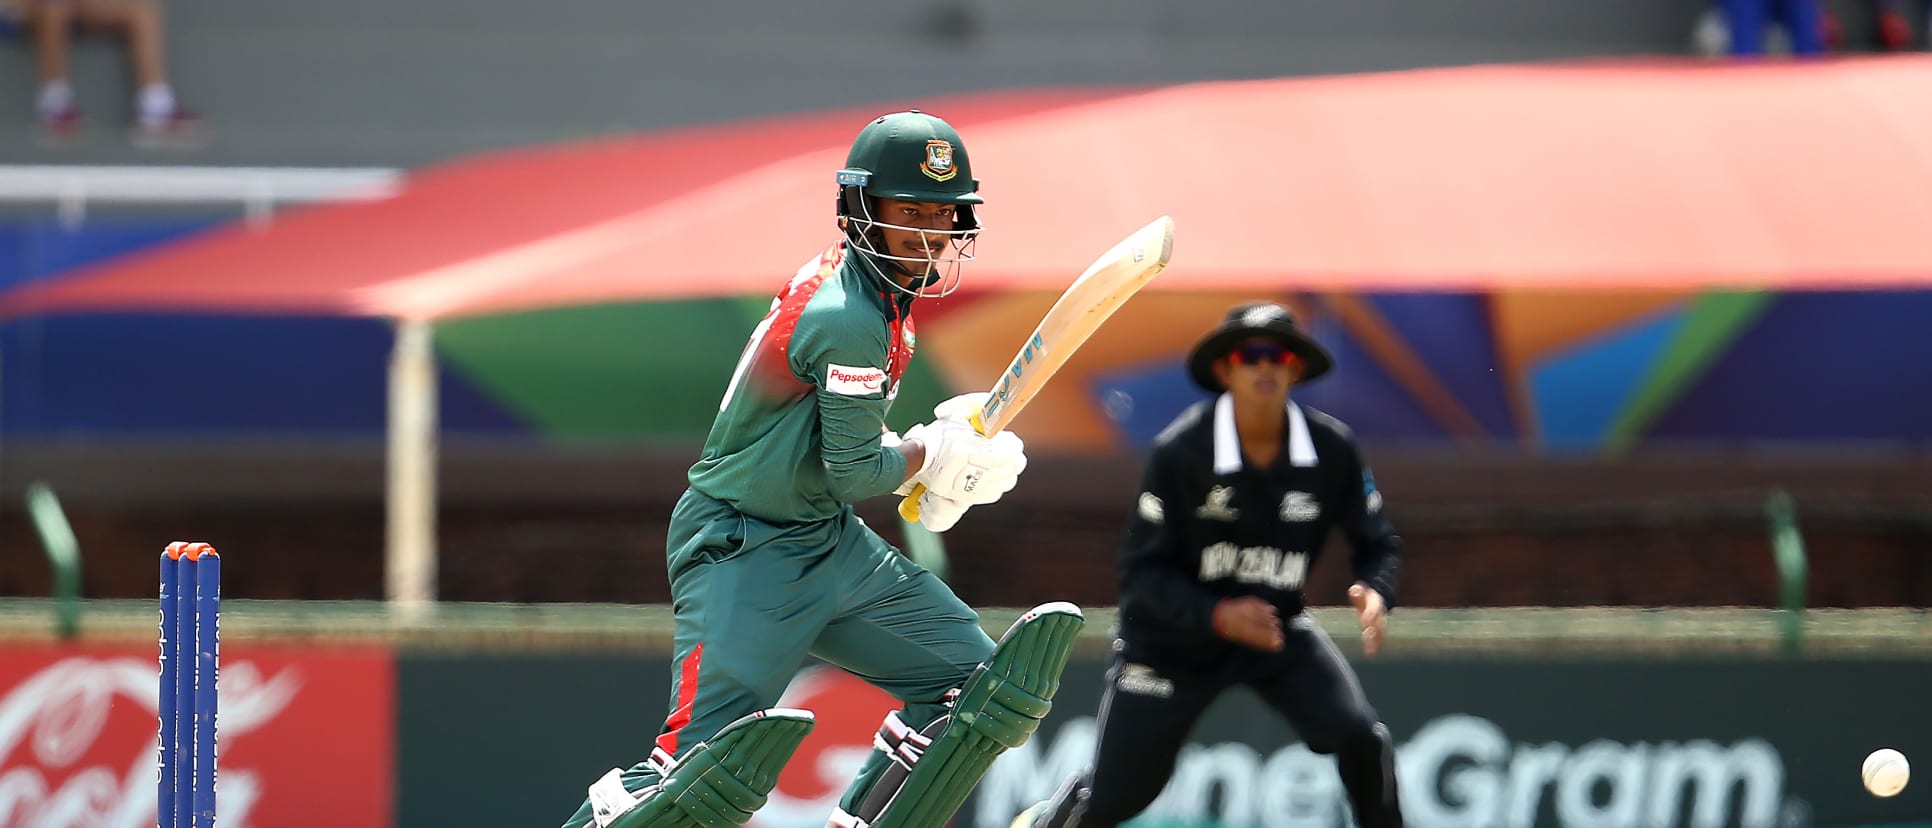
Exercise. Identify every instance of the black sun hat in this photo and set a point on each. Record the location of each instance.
(1250, 320)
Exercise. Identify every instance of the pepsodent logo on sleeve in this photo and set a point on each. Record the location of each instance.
(854, 382)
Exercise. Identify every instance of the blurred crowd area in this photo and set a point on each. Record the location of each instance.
(368, 83)
(362, 84)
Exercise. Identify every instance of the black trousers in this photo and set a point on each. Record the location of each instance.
(1145, 718)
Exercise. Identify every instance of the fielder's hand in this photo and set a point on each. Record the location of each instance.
(1250, 622)
(1373, 612)
(963, 466)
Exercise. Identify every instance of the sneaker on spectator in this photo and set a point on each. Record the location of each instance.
(61, 127)
(179, 129)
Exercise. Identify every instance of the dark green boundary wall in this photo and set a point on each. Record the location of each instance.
(513, 740)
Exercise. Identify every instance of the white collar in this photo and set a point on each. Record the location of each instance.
(1227, 444)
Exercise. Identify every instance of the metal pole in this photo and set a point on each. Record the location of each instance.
(1788, 551)
(63, 553)
(926, 548)
(411, 549)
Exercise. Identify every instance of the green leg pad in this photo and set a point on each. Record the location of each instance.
(998, 708)
(720, 783)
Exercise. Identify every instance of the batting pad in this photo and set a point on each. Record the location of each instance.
(719, 784)
(998, 708)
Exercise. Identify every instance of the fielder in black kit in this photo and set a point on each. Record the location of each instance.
(1237, 499)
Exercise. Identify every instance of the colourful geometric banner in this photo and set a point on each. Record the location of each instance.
(1576, 371)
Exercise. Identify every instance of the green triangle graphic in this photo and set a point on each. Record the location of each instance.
(633, 371)
(643, 371)
(1710, 325)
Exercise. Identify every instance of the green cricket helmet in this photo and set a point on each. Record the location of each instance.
(910, 156)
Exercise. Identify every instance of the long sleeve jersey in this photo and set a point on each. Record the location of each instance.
(1208, 526)
(798, 434)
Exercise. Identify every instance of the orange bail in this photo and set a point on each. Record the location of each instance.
(191, 551)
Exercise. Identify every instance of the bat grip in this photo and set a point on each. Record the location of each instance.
(909, 508)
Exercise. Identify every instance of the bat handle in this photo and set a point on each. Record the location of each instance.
(909, 508)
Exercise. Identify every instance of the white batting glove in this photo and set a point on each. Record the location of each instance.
(960, 408)
(939, 514)
(964, 466)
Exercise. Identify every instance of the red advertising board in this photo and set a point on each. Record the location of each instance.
(848, 712)
(306, 737)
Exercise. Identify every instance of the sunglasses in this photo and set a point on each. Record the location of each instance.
(1256, 353)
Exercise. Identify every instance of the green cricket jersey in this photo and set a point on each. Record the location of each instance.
(798, 434)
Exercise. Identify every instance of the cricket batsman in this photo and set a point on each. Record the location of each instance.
(768, 564)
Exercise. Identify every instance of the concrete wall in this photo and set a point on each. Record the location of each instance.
(531, 524)
(401, 82)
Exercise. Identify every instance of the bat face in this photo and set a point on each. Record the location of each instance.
(1003, 394)
(1106, 285)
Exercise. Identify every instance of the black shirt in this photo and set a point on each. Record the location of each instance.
(1208, 526)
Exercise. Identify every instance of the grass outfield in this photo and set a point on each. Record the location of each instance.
(1414, 632)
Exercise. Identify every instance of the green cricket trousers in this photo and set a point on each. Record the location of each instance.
(753, 599)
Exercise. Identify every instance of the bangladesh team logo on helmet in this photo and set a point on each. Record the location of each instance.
(939, 160)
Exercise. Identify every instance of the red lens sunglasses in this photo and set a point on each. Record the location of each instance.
(1256, 353)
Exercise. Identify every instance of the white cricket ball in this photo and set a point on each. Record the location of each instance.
(1886, 772)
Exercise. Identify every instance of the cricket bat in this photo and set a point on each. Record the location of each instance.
(1106, 284)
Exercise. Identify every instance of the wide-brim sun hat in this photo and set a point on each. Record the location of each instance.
(1252, 320)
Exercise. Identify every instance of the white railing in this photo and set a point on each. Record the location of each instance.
(257, 190)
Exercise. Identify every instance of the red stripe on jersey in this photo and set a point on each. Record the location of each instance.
(770, 365)
(687, 696)
(797, 293)
(899, 354)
